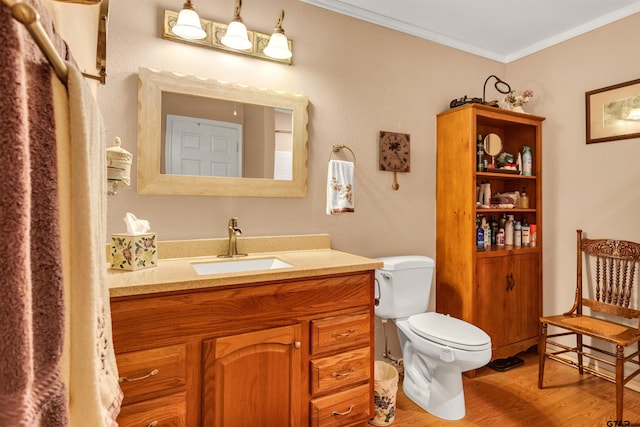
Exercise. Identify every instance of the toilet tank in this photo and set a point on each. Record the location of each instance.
(403, 286)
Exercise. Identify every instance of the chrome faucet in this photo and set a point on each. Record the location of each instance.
(234, 232)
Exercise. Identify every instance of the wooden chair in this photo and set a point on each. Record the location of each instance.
(608, 293)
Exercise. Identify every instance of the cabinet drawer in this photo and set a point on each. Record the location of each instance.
(169, 411)
(340, 332)
(340, 370)
(152, 373)
(341, 409)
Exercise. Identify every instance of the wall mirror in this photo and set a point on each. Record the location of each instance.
(204, 137)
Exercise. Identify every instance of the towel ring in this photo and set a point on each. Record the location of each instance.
(337, 148)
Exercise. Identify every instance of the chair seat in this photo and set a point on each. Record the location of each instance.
(613, 332)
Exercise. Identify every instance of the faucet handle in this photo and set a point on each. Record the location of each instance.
(233, 222)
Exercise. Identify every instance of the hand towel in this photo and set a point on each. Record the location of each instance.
(340, 187)
(94, 392)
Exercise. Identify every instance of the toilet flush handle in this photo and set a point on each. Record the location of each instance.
(376, 300)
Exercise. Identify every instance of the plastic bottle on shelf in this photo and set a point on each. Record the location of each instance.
(533, 235)
(524, 200)
(479, 234)
(493, 224)
(503, 220)
(526, 234)
(487, 233)
(517, 234)
(508, 231)
(500, 238)
(486, 198)
(480, 154)
(526, 161)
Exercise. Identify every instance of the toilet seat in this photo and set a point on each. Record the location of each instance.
(449, 331)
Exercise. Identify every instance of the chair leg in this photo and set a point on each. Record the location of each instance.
(579, 348)
(542, 349)
(619, 381)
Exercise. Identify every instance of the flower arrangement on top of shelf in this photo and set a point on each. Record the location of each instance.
(514, 101)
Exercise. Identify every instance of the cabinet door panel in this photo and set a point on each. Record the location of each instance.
(525, 299)
(253, 377)
(492, 303)
(507, 304)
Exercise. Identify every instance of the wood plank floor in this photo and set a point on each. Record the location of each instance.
(512, 398)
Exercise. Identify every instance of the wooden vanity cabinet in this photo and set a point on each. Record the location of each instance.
(292, 353)
(497, 288)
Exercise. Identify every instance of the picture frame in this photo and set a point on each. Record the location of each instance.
(613, 112)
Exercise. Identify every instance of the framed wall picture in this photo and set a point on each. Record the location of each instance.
(613, 112)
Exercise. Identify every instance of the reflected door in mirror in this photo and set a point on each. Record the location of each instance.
(203, 147)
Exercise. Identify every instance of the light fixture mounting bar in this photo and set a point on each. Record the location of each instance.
(215, 31)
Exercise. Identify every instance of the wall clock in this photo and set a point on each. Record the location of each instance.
(395, 154)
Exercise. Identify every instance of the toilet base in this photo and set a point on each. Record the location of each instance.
(443, 398)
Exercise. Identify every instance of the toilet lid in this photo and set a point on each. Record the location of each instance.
(449, 331)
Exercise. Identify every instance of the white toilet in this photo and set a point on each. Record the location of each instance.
(436, 348)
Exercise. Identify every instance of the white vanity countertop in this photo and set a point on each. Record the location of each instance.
(313, 258)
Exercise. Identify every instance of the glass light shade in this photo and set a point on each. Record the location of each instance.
(188, 25)
(236, 36)
(278, 47)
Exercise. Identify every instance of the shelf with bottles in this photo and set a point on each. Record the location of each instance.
(506, 232)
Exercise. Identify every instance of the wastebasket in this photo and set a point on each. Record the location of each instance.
(385, 385)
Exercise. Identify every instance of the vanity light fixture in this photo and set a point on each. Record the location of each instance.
(236, 36)
(278, 44)
(188, 24)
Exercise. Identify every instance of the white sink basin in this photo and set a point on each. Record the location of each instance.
(239, 265)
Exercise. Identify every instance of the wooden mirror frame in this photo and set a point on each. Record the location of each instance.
(152, 83)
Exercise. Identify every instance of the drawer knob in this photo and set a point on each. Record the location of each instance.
(150, 374)
(347, 412)
(297, 344)
(153, 423)
(343, 374)
(346, 334)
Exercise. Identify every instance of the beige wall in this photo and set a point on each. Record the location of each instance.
(360, 79)
(594, 187)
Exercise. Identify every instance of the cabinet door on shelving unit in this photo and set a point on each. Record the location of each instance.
(525, 297)
(506, 296)
(492, 305)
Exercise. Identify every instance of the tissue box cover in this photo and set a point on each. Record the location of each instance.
(133, 251)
